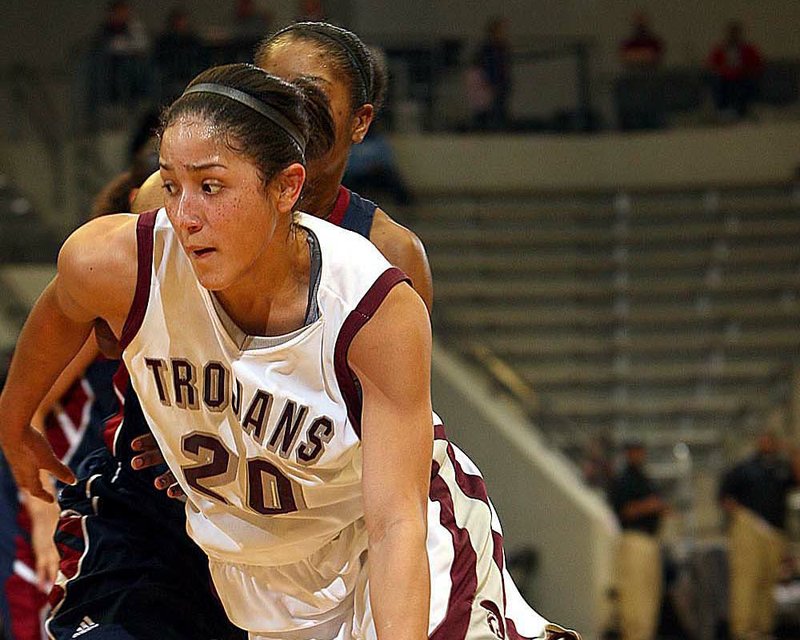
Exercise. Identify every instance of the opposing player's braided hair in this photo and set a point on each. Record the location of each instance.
(365, 72)
(272, 122)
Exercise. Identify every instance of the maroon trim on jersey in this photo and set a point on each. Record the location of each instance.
(120, 381)
(357, 318)
(340, 207)
(144, 268)
(463, 571)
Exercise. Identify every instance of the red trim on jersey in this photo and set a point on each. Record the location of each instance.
(463, 571)
(357, 318)
(121, 381)
(340, 207)
(144, 259)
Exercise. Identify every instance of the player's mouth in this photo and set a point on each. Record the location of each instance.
(200, 252)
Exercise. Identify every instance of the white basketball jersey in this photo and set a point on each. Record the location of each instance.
(264, 438)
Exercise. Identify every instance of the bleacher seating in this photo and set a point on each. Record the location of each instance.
(655, 313)
(28, 248)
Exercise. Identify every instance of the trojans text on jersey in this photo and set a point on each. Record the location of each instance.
(180, 383)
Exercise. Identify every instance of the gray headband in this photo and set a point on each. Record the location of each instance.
(264, 109)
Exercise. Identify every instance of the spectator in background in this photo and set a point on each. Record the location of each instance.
(494, 60)
(643, 49)
(250, 24)
(178, 55)
(119, 68)
(639, 508)
(310, 11)
(754, 493)
(596, 463)
(479, 94)
(639, 92)
(736, 66)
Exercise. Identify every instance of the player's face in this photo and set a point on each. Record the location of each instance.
(294, 58)
(217, 203)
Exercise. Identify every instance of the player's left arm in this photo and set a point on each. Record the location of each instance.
(391, 357)
(404, 250)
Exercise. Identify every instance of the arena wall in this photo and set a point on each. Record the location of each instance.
(540, 500)
(749, 153)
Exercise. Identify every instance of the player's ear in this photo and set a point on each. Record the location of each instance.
(288, 185)
(362, 119)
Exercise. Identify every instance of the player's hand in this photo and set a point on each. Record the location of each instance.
(27, 455)
(149, 453)
(44, 519)
(166, 481)
(150, 456)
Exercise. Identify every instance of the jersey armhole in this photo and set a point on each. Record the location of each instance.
(144, 266)
(357, 318)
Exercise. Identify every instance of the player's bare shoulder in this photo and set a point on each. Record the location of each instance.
(150, 195)
(405, 250)
(97, 268)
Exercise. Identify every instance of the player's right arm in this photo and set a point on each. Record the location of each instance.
(96, 279)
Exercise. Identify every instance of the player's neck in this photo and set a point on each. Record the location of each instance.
(321, 204)
(271, 300)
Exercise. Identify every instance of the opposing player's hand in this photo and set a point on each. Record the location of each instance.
(27, 455)
(149, 453)
(166, 481)
(150, 456)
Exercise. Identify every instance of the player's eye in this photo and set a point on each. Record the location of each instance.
(211, 188)
(168, 187)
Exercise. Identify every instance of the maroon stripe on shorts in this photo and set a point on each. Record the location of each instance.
(70, 528)
(463, 572)
(474, 487)
(511, 629)
(71, 545)
(144, 268)
(357, 318)
(121, 381)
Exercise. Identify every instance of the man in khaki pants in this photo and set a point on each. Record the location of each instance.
(639, 508)
(754, 495)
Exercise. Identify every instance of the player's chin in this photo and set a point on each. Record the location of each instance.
(210, 278)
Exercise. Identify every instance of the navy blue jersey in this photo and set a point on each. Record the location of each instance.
(73, 428)
(352, 212)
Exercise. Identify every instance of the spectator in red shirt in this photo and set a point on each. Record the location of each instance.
(643, 49)
(737, 66)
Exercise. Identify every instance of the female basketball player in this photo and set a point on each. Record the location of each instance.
(146, 579)
(284, 368)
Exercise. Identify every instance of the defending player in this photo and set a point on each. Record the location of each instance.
(309, 532)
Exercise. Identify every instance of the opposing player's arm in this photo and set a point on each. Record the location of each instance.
(96, 278)
(404, 250)
(391, 357)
